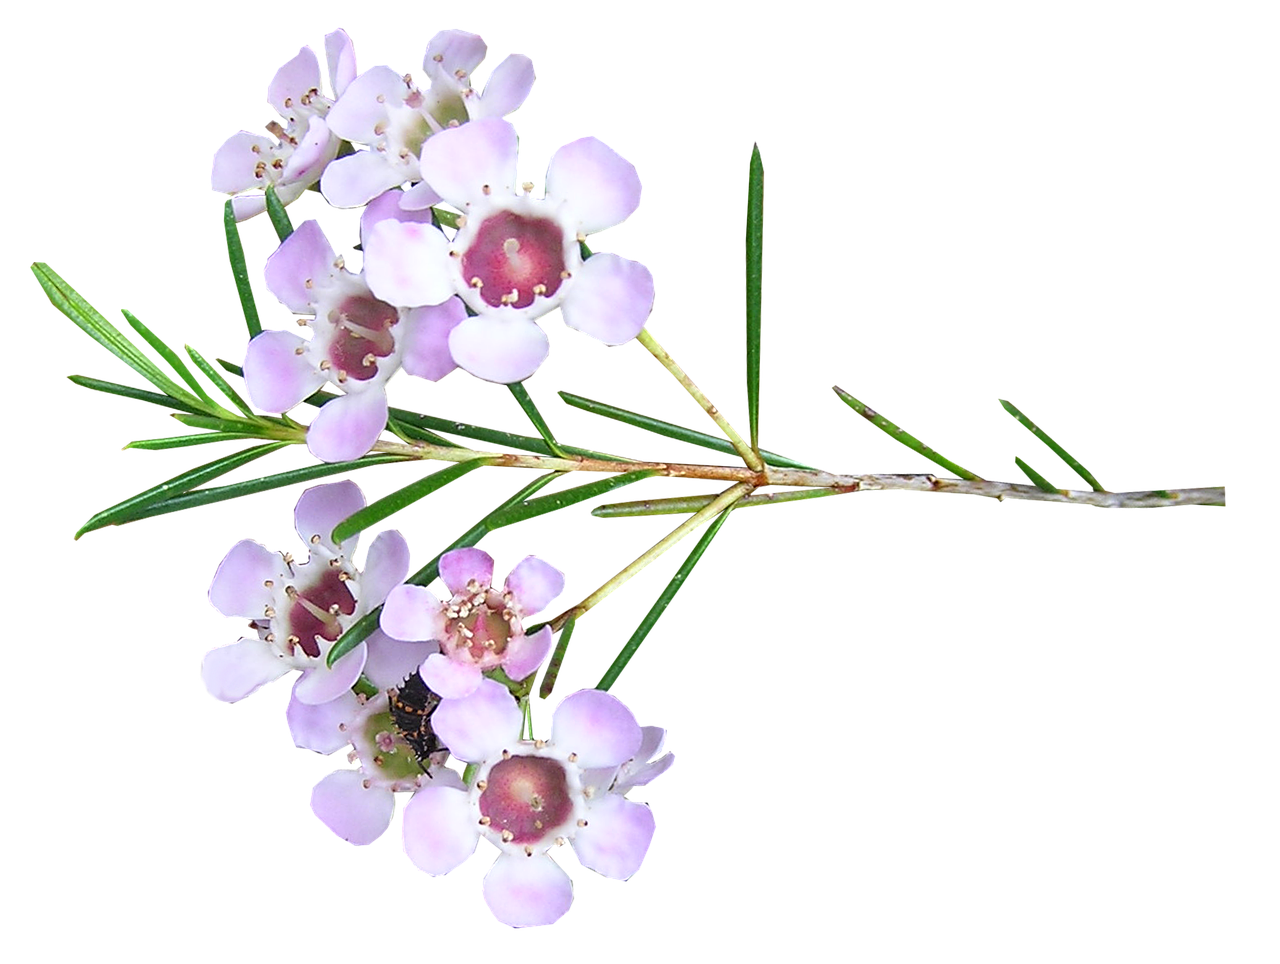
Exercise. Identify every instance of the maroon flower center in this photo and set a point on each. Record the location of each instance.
(526, 797)
(514, 259)
(363, 336)
(313, 611)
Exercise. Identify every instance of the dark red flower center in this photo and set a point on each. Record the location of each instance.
(363, 336)
(514, 259)
(313, 611)
(526, 797)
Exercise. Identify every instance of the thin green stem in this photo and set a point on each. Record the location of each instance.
(755, 274)
(683, 505)
(664, 358)
(557, 659)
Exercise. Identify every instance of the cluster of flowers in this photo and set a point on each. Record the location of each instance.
(445, 674)
(429, 661)
(429, 298)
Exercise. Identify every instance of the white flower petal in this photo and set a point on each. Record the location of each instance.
(356, 814)
(597, 727)
(407, 264)
(321, 507)
(616, 837)
(499, 349)
(611, 299)
(232, 672)
(481, 725)
(600, 188)
(460, 162)
(527, 891)
(439, 832)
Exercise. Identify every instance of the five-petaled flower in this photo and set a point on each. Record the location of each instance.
(358, 342)
(299, 609)
(515, 257)
(479, 628)
(295, 156)
(529, 797)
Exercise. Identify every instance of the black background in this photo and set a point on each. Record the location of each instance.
(848, 681)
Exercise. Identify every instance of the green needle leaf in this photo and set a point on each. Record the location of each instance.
(276, 212)
(366, 624)
(230, 424)
(755, 273)
(169, 355)
(69, 301)
(910, 441)
(1058, 450)
(629, 650)
(446, 218)
(128, 510)
(181, 441)
(391, 504)
(128, 391)
(1040, 482)
(212, 374)
(561, 500)
(557, 658)
(199, 497)
(669, 430)
(531, 410)
(239, 271)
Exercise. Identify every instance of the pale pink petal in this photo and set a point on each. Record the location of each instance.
(350, 181)
(611, 299)
(616, 836)
(315, 149)
(459, 567)
(442, 776)
(316, 727)
(385, 567)
(460, 162)
(499, 349)
(413, 614)
(357, 815)
(391, 661)
(480, 726)
(452, 679)
(322, 683)
(303, 262)
(533, 584)
(418, 198)
(629, 778)
(341, 55)
(292, 81)
(452, 50)
(439, 832)
(600, 188)
(527, 891)
(248, 206)
(232, 672)
(363, 105)
(235, 163)
(426, 339)
(321, 507)
(276, 375)
(237, 588)
(506, 89)
(407, 264)
(597, 727)
(387, 205)
(347, 427)
(526, 653)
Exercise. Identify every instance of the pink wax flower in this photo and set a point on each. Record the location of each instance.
(295, 155)
(385, 111)
(515, 257)
(299, 609)
(357, 342)
(479, 628)
(529, 797)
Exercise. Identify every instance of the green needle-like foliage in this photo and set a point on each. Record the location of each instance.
(239, 271)
(1058, 450)
(1038, 480)
(755, 274)
(910, 441)
(278, 215)
(521, 395)
(389, 505)
(557, 659)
